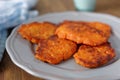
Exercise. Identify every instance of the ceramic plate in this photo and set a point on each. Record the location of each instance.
(22, 54)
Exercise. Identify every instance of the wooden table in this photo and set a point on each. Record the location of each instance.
(9, 71)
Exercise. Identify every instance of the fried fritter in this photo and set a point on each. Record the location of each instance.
(89, 33)
(92, 57)
(35, 31)
(54, 50)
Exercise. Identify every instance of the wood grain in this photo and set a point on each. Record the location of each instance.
(9, 71)
(108, 6)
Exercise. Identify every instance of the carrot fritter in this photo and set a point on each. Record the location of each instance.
(89, 33)
(35, 31)
(54, 50)
(92, 57)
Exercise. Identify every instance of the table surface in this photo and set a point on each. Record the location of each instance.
(9, 71)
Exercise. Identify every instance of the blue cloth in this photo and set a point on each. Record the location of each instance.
(12, 13)
(3, 37)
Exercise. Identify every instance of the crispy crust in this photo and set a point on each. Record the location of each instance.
(92, 57)
(55, 50)
(36, 31)
(89, 33)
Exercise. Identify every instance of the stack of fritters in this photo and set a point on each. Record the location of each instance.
(95, 50)
(49, 48)
(56, 44)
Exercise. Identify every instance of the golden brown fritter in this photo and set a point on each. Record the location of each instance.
(93, 33)
(35, 31)
(92, 57)
(54, 50)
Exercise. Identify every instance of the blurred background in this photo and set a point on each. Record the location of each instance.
(103, 6)
(9, 71)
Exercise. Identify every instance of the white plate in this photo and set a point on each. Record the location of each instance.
(21, 52)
